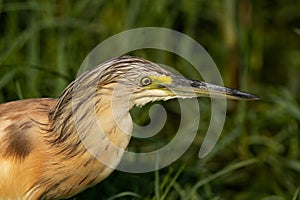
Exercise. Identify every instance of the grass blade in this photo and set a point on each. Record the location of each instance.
(224, 171)
(172, 182)
(125, 194)
(296, 194)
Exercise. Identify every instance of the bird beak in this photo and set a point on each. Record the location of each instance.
(187, 88)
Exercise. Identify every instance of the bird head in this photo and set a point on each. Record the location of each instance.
(144, 81)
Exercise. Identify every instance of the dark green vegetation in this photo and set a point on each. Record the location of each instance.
(256, 46)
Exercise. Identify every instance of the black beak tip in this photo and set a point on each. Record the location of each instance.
(246, 96)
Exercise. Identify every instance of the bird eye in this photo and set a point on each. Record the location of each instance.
(146, 81)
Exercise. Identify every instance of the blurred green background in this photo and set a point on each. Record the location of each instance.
(256, 46)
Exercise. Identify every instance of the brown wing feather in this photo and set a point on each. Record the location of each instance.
(21, 145)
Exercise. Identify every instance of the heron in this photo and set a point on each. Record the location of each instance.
(42, 150)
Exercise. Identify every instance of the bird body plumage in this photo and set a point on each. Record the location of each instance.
(33, 163)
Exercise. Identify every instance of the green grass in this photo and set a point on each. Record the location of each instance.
(255, 45)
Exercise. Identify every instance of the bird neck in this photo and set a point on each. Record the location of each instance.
(87, 137)
(91, 120)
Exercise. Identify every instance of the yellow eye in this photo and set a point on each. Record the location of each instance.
(146, 81)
